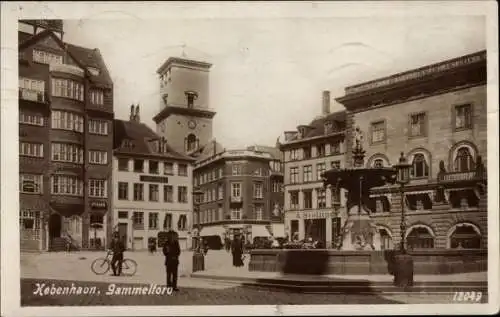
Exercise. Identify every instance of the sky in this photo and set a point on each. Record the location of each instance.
(268, 73)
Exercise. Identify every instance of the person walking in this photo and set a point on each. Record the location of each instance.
(172, 251)
(237, 251)
(117, 247)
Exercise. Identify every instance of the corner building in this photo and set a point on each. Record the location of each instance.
(65, 140)
(436, 115)
(311, 210)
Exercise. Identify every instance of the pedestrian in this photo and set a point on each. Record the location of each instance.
(227, 244)
(237, 251)
(205, 247)
(172, 251)
(117, 248)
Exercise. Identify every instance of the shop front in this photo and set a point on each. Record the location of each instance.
(321, 226)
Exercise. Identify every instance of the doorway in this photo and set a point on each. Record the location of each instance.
(122, 233)
(55, 224)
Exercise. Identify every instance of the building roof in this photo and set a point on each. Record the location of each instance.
(182, 61)
(274, 151)
(317, 127)
(83, 56)
(207, 150)
(139, 136)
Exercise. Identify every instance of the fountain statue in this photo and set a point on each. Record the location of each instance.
(359, 231)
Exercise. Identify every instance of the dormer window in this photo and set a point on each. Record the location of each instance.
(94, 71)
(191, 143)
(128, 144)
(162, 145)
(47, 58)
(191, 97)
(328, 127)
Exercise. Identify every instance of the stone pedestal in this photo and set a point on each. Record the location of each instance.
(360, 232)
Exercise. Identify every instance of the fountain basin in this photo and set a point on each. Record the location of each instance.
(324, 261)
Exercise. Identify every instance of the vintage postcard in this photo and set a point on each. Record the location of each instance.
(249, 158)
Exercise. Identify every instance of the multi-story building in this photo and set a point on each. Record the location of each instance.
(152, 186)
(237, 194)
(65, 140)
(312, 211)
(436, 115)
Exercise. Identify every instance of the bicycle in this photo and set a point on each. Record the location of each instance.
(102, 265)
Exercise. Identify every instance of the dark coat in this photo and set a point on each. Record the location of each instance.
(117, 247)
(171, 251)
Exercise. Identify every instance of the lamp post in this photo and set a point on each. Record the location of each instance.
(403, 273)
(198, 259)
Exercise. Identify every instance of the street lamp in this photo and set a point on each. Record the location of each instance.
(403, 272)
(198, 259)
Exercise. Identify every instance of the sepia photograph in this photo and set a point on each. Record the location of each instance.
(239, 158)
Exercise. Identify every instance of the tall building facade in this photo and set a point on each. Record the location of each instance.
(436, 115)
(152, 186)
(65, 140)
(311, 210)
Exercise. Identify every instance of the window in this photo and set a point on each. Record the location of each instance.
(235, 189)
(191, 142)
(138, 192)
(236, 213)
(182, 194)
(258, 212)
(417, 124)
(308, 173)
(335, 148)
(30, 183)
(31, 149)
(277, 187)
(294, 200)
(138, 220)
(294, 155)
(191, 96)
(168, 168)
(153, 220)
(97, 97)
(378, 163)
(464, 161)
(123, 214)
(465, 237)
(167, 222)
(320, 169)
(182, 223)
(258, 190)
(64, 152)
(378, 131)
(67, 121)
(258, 172)
(97, 188)
(98, 157)
(221, 173)
(67, 88)
(306, 152)
(47, 58)
(154, 192)
(419, 167)
(214, 194)
(168, 193)
(307, 199)
(98, 127)
(320, 150)
(31, 119)
(220, 191)
(66, 185)
(183, 170)
(96, 218)
(335, 164)
(31, 88)
(138, 166)
(335, 195)
(30, 224)
(294, 175)
(236, 169)
(153, 167)
(463, 117)
(122, 191)
(420, 238)
(123, 164)
(321, 198)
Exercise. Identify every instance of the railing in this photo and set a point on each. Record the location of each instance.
(65, 68)
(460, 176)
(32, 95)
(236, 199)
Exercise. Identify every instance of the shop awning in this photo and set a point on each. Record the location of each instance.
(212, 231)
(260, 231)
(279, 231)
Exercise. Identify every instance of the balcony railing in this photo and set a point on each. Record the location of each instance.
(32, 95)
(460, 176)
(65, 68)
(236, 199)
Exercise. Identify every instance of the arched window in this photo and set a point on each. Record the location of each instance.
(464, 161)
(191, 142)
(378, 163)
(465, 236)
(420, 238)
(385, 239)
(419, 166)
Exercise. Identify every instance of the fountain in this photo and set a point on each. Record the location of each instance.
(359, 232)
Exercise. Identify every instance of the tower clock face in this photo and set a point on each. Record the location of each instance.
(192, 124)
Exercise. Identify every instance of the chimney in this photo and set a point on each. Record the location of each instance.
(137, 117)
(325, 109)
(132, 113)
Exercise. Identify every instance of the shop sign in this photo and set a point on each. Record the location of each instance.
(154, 179)
(316, 215)
(98, 204)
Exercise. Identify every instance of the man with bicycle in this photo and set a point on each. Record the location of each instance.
(117, 248)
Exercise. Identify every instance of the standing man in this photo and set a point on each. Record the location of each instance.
(117, 247)
(172, 251)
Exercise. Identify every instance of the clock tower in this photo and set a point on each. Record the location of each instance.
(184, 117)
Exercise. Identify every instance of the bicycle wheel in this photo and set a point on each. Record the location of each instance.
(100, 266)
(129, 267)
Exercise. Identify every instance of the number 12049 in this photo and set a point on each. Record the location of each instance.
(468, 297)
